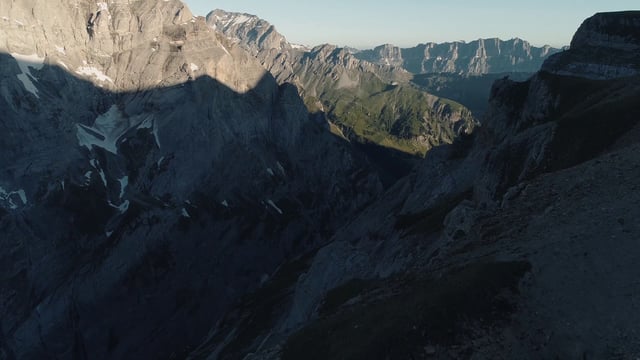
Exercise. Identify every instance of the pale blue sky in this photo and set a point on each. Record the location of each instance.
(366, 23)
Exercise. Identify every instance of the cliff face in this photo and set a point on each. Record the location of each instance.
(604, 47)
(499, 245)
(478, 57)
(151, 174)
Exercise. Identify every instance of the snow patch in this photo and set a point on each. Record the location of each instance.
(240, 20)
(225, 203)
(62, 184)
(273, 205)
(61, 50)
(150, 123)
(281, 168)
(160, 161)
(102, 6)
(122, 207)
(124, 181)
(26, 63)
(12, 197)
(94, 72)
(270, 171)
(96, 166)
(105, 132)
(63, 64)
(19, 22)
(194, 67)
(87, 177)
(108, 233)
(185, 213)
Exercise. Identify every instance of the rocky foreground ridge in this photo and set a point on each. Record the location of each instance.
(516, 242)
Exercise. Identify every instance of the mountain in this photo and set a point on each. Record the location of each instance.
(517, 241)
(164, 196)
(482, 56)
(150, 175)
(604, 47)
(364, 102)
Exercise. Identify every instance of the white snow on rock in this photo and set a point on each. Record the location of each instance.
(93, 72)
(96, 166)
(241, 19)
(11, 197)
(26, 63)
(61, 50)
(105, 132)
(87, 177)
(124, 181)
(194, 67)
(185, 213)
(270, 171)
(122, 207)
(102, 6)
(225, 203)
(150, 123)
(273, 205)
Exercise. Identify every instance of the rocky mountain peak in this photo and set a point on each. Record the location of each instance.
(604, 47)
(617, 30)
(253, 32)
(477, 57)
(122, 46)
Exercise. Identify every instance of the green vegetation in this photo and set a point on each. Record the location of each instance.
(399, 117)
(400, 316)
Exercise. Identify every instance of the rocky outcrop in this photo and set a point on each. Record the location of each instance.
(604, 47)
(482, 56)
(151, 174)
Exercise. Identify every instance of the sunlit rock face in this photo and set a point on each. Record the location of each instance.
(482, 56)
(606, 46)
(151, 173)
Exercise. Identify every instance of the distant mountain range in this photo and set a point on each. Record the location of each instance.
(482, 56)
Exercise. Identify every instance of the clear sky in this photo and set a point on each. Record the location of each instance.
(367, 23)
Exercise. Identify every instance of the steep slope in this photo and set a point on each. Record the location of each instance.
(366, 102)
(482, 56)
(515, 242)
(149, 176)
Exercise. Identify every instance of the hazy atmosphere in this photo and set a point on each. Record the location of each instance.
(363, 24)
